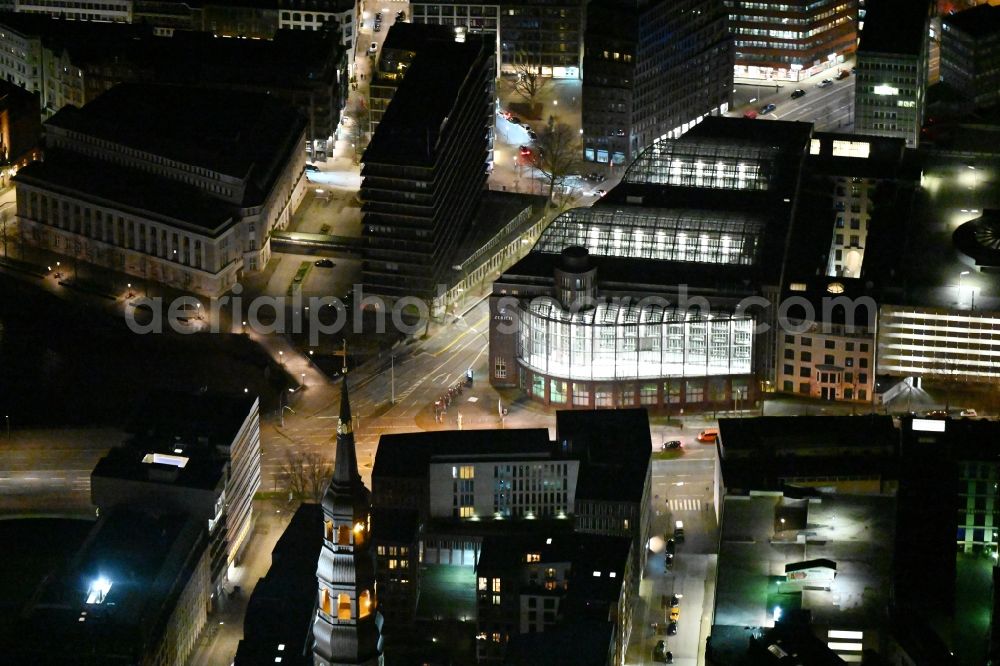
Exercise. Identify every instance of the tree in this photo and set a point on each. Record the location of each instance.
(557, 153)
(358, 128)
(529, 83)
(305, 475)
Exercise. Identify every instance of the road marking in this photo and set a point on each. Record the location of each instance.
(685, 504)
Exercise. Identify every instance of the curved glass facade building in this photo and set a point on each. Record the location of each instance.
(653, 296)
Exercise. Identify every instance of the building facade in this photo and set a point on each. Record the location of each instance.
(20, 130)
(609, 82)
(187, 218)
(792, 39)
(425, 169)
(543, 36)
(890, 84)
(338, 16)
(970, 54)
(684, 69)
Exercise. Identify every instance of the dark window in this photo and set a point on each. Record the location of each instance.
(805, 372)
(788, 369)
(806, 341)
(863, 377)
(864, 346)
(830, 344)
(803, 387)
(807, 356)
(787, 386)
(849, 346)
(863, 362)
(828, 359)
(790, 354)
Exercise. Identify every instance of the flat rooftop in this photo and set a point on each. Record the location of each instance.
(168, 418)
(107, 183)
(855, 532)
(613, 446)
(238, 134)
(979, 21)
(410, 454)
(895, 26)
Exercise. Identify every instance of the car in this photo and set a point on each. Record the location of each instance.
(675, 599)
(400, 15)
(670, 561)
(679, 531)
(675, 614)
(600, 193)
(672, 444)
(672, 629)
(524, 151)
(324, 263)
(969, 412)
(378, 27)
(532, 134)
(708, 435)
(671, 546)
(751, 114)
(312, 167)
(373, 48)
(842, 74)
(825, 83)
(596, 177)
(798, 92)
(513, 120)
(668, 657)
(767, 108)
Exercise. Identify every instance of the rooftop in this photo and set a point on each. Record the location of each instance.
(416, 118)
(123, 582)
(168, 417)
(895, 27)
(568, 644)
(279, 613)
(106, 182)
(979, 21)
(409, 454)
(238, 134)
(613, 446)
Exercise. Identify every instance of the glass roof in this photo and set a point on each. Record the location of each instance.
(617, 313)
(715, 237)
(704, 162)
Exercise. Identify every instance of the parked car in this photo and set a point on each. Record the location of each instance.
(373, 48)
(532, 134)
(524, 151)
(969, 412)
(312, 167)
(675, 614)
(672, 629)
(675, 599)
(708, 435)
(842, 74)
(596, 177)
(378, 26)
(671, 546)
(798, 92)
(767, 108)
(672, 444)
(825, 83)
(324, 263)
(679, 531)
(751, 114)
(400, 15)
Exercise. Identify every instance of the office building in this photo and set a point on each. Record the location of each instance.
(127, 187)
(198, 454)
(602, 312)
(425, 168)
(970, 54)
(791, 40)
(890, 83)
(465, 18)
(542, 36)
(546, 583)
(684, 69)
(114, 11)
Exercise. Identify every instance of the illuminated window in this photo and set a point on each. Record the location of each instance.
(533, 557)
(885, 90)
(466, 512)
(466, 472)
(328, 530)
(797, 286)
(482, 584)
(496, 584)
(858, 149)
(364, 604)
(344, 607)
(496, 599)
(814, 146)
(343, 535)
(324, 600)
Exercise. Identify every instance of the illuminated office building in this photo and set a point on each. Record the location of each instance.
(640, 299)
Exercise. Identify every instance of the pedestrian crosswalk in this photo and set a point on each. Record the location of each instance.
(685, 504)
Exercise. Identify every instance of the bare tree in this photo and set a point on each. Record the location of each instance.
(557, 153)
(358, 128)
(529, 83)
(305, 475)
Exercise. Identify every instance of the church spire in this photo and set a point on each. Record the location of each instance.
(345, 472)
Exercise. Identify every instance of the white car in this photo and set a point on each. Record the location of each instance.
(373, 49)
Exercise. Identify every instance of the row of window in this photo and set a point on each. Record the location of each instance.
(806, 341)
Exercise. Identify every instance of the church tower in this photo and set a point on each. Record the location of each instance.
(348, 626)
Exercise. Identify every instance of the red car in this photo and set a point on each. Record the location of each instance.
(750, 114)
(842, 74)
(525, 152)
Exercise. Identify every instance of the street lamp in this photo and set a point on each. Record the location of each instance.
(281, 357)
(960, 276)
(303, 380)
(130, 294)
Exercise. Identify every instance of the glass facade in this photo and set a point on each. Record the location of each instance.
(669, 235)
(613, 341)
(705, 163)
